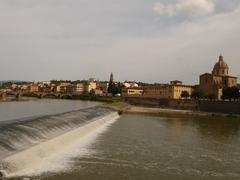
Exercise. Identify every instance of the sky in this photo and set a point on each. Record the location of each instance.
(141, 40)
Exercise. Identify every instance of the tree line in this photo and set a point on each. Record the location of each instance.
(230, 93)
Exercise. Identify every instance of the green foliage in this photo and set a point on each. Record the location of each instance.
(211, 96)
(110, 87)
(114, 88)
(198, 95)
(185, 94)
(231, 93)
(8, 84)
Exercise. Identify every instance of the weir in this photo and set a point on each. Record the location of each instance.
(27, 143)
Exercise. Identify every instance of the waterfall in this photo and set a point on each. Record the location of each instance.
(28, 146)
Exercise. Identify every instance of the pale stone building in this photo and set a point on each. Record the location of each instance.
(214, 83)
(103, 86)
(168, 91)
(79, 88)
(132, 91)
(91, 86)
(165, 91)
(33, 88)
(128, 84)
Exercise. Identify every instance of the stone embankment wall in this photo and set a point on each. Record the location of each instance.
(220, 106)
(164, 103)
(196, 105)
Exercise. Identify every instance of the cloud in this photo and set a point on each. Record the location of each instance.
(72, 39)
(184, 51)
(192, 8)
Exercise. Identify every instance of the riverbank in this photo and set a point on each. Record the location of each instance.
(126, 108)
(13, 99)
(123, 107)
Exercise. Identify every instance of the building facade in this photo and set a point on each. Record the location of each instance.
(33, 88)
(132, 91)
(168, 91)
(213, 83)
(165, 91)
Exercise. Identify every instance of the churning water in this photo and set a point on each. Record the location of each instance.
(36, 145)
(140, 147)
(86, 144)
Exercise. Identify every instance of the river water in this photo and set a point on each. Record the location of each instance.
(134, 146)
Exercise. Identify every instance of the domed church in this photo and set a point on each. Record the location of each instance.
(213, 84)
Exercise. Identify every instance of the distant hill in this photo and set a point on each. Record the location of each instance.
(10, 82)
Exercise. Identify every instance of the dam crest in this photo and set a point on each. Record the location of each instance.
(44, 144)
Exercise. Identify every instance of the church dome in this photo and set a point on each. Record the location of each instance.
(220, 68)
(220, 63)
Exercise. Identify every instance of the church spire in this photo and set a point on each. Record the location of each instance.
(111, 77)
(221, 57)
(111, 84)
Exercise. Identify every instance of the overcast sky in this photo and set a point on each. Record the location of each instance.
(143, 40)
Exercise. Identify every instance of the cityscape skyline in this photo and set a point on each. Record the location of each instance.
(96, 79)
(150, 41)
(218, 84)
(119, 89)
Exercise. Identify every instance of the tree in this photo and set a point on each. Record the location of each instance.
(120, 88)
(111, 84)
(231, 93)
(185, 94)
(198, 95)
(211, 96)
(115, 90)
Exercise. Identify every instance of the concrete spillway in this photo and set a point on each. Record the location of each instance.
(28, 145)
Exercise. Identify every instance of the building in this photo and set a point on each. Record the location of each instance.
(132, 91)
(33, 88)
(79, 88)
(173, 90)
(176, 82)
(69, 89)
(98, 92)
(103, 86)
(89, 86)
(46, 83)
(164, 91)
(24, 88)
(212, 84)
(128, 84)
(57, 89)
(111, 84)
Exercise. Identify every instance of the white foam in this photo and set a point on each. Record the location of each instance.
(56, 154)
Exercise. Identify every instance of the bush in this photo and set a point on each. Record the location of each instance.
(198, 95)
(185, 94)
(231, 93)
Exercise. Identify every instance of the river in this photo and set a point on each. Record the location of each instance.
(130, 147)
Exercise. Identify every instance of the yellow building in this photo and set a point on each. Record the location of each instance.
(90, 86)
(132, 91)
(165, 91)
(33, 88)
(214, 83)
(173, 90)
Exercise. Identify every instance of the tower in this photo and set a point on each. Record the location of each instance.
(214, 83)
(111, 84)
(111, 77)
(220, 68)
